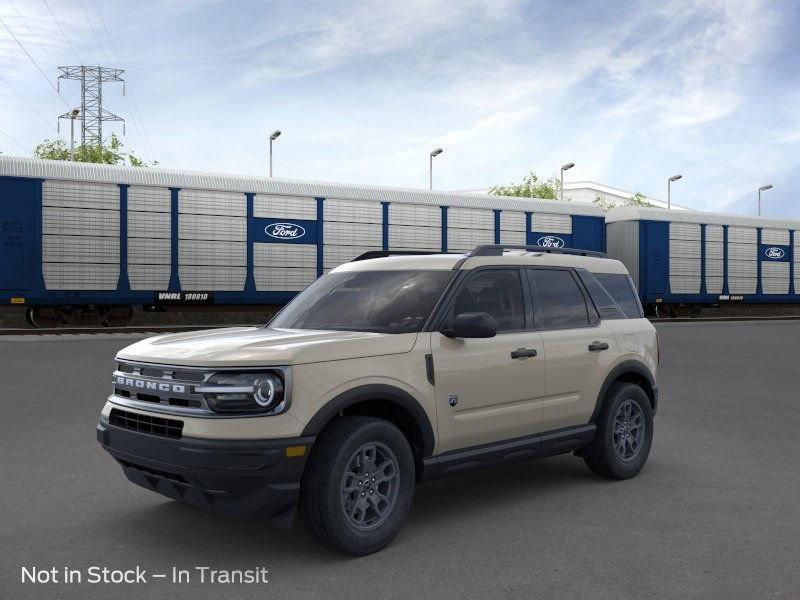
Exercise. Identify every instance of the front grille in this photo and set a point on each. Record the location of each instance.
(168, 428)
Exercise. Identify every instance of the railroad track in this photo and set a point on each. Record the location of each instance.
(154, 329)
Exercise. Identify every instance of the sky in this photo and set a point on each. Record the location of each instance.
(631, 92)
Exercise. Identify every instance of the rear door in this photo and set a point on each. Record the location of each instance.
(579, 349)
(17, 240)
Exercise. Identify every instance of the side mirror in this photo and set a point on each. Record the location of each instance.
(472, 325)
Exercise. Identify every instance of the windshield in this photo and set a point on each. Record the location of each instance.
(378, 301)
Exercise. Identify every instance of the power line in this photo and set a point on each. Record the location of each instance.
(15, 141)
(33, 36)
(32, 107)
(134, 113)
(35, 64)
(66, 39)
(96, 37)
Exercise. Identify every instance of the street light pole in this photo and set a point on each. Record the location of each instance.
(565, 167)
(763, 188)
(435, 152)
(72, 115)
(669, 182)
(272, 138)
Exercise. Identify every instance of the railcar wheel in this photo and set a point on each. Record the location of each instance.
(118, 316)
(45, 317)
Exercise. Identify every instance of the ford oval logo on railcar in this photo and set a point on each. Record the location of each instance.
(550, 241)
(285, 231)
(774, 253)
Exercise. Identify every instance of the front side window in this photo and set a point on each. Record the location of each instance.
(497, 292)
(377, 301)
(561, 303)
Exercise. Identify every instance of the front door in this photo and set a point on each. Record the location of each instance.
(489, 389)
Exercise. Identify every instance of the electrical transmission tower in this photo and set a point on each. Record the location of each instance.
(92, 114)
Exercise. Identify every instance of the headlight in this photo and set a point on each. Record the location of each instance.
(244, 392)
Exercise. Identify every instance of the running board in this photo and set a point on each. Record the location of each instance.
(529, 447)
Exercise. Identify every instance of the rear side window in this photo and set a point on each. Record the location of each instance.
(621, 289)
(558, 299)
(607, 307)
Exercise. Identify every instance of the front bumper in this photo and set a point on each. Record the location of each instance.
(242, 477)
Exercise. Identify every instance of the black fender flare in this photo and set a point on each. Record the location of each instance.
(629, 366)
(375, 391)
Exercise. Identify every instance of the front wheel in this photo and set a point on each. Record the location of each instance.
(357, 488)
(624, 433)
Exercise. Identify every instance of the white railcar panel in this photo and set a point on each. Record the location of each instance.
(715, 267)
(775, 236)
(271, 279)
(80, 194)
(742, 268)
(741, 285)
(353, 234)
(715, 249)
(284, 207)
(413, 237)
(149, 277)
(715, 233)
(685, 284)
(513, 237)
(80, 276)
(775, 277)
(207, 202)
(80, 249)
(684, 231)
(149, 199)
(742, 235)
(352, 211)
(550, 223)
(333, 256)
(512, 220)
(145, 251)
(77, 221)
(684, 248)
(743, 252)
(463, 240)
(684, 266)
(470, 218)
(207, 278)
(208, 227)
(415, 214)
(204, 252)
(714, 285)
(285, 255)
(149, 225)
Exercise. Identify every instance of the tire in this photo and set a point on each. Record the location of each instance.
(611, 454)
(334, 497)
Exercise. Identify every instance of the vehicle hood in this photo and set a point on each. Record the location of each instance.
(259, 346)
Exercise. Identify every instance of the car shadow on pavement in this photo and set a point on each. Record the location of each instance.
(183, 530)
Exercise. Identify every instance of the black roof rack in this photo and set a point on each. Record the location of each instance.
(498, 249)
(387, 253)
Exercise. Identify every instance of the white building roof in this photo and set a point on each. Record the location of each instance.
(635, 213)
(155, 176)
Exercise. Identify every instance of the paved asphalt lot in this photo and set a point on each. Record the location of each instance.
(713, 515)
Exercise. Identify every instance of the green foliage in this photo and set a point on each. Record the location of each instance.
(531, 187)
(638, 199)
(111, 154)
(605, 203)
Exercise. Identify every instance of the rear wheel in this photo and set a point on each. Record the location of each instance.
(624, 433)
(357, 488)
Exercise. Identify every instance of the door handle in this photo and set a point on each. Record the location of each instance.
(523, 353)
(598, 346)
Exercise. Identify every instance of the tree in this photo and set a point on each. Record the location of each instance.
(606, 203)
(111, 154)
(531, 187)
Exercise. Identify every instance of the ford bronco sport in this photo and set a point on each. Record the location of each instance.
(383, 373)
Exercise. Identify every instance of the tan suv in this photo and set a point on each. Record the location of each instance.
(385, 372)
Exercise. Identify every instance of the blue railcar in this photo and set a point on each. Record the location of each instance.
(88, 242)
(684, 260)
